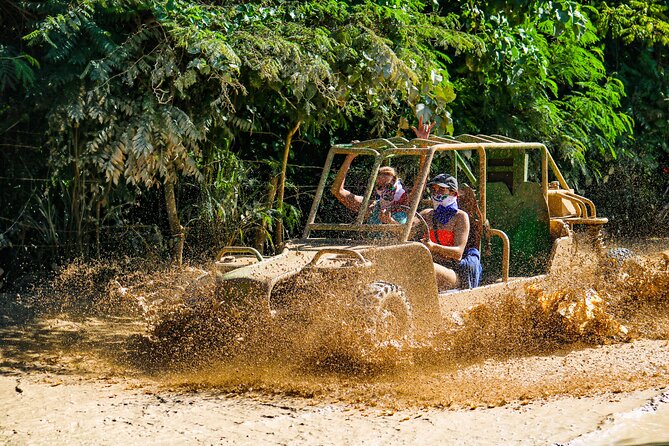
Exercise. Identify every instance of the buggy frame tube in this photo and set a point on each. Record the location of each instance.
(483, 183)
(415, 200)
(459, 162)
(506, 252)
(239, 250)
(356, 228)
(362, 212)
(336, 150)
(556, 171)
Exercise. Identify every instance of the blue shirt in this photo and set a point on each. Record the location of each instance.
(375, 216)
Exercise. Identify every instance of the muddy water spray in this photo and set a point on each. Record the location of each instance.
(521, 348)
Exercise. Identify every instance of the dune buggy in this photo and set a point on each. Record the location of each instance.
(522, 217)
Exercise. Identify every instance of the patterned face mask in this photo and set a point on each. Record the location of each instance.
(390, 194)
(386, 192)
(445, 201)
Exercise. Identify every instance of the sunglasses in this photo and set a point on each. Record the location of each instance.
(385, 187)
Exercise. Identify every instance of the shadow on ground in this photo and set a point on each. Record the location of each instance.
(65, 345)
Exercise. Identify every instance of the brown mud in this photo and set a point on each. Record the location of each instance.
(596, 338)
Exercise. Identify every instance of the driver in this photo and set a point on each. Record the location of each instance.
(448, 228)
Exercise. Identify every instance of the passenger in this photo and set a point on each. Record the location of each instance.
(448, 227)
(390, 194)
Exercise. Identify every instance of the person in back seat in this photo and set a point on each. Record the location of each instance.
(455, 266)
(391, 197)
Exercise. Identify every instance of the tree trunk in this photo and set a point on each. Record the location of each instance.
(261, 233)
(278, 233)
(97, 227)
(77, 192)
(178, 235)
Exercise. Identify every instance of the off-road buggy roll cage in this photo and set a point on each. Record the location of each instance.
(392, 278)
(565, 208)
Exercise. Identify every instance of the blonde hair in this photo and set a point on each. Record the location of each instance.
(387, 170)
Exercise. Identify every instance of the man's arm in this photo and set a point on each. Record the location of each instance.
(423, 130)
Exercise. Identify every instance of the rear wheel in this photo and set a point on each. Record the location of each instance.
(389, 314)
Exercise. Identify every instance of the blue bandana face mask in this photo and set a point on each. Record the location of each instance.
(445, 207)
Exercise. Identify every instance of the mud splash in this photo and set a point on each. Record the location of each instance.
(604, 328)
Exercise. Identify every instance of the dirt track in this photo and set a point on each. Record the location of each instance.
(58, 387)
(49, 410)
(68, 379)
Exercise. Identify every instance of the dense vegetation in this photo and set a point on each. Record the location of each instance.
(157, 126)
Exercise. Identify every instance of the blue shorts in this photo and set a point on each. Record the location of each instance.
(468, 269)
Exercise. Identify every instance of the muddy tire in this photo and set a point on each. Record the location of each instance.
(619, 255)
(389, 314)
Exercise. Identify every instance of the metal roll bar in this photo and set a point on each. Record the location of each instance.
(239, 250)
(506, 252)
(400, 146)
(339, 251)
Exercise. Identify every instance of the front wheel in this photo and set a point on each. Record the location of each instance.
(389, 314)
(618, 255)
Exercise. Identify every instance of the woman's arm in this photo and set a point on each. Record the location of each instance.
(460, 235)
(346, 197)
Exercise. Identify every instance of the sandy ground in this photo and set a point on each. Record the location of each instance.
(57, 390)
(42, 409)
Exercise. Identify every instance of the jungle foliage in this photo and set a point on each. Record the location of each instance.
(159, 126)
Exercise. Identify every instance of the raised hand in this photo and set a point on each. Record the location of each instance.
(423, 130)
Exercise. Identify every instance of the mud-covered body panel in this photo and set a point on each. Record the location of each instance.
(291, 278)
